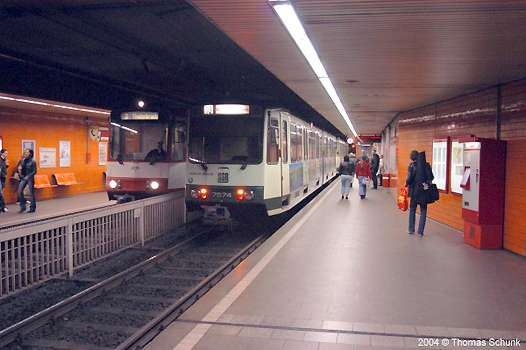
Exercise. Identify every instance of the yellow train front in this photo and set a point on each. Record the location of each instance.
(255, 159)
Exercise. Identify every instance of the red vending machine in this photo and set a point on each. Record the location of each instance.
(483, 187)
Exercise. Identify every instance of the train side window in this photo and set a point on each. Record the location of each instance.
(284, 143)
(305, 144)
(178, 141)
(272, 141)
(294, 143)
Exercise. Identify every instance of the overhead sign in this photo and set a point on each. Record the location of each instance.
(140, 115)
(227, 109)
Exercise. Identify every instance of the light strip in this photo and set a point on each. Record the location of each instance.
(290, 20)
(52, 105)
(124, 127)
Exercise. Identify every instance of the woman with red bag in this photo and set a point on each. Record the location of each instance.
(419, 174)
(363, 173)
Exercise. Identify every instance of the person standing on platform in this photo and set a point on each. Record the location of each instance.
(28, 169)
(380, 174)
(419, 174)
(346, 169)
(375, 164)
(363, 173)
(4, 164)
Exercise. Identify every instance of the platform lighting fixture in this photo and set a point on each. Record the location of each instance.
(55, 105)
(290, 20)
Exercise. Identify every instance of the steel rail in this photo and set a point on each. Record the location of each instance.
(16, 331)
(160, 322)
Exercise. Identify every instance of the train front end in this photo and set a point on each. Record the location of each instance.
(225, 152)
(146, 155)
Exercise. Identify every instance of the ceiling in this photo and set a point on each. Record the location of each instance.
(384, 57)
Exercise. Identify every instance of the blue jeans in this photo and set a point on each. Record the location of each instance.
(412, 217)
(2, 198)
(346, 184)
(22, 199)
(363, 181)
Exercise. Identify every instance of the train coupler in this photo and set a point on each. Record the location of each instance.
(217, 216)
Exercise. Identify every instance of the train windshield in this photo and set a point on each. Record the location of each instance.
(133, 140)
(226, 140)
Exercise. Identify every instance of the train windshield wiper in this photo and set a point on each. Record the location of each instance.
(202, 163)
(249, 158)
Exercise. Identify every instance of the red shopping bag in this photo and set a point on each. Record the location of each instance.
(402, 199)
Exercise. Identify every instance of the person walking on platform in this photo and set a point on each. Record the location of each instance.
(4, 164)
(375, 164)
(346, 170)
(419, 174)
(27, 169)
(363, 173)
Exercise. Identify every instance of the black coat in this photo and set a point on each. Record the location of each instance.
(419, 177)
(3, 169)
(346, 168)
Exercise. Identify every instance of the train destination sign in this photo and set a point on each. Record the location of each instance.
(140, 115)
(226, 109)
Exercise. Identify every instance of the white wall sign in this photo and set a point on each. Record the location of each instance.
(47, 157)
(440, 163)
(65, 154)
(457, 166)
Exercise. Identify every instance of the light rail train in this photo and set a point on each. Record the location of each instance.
(146, 155)
(264, 159)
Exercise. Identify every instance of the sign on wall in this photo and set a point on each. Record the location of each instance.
(65, 153)
(440, 148)
(28, 144)
(103, 153)
(48, 157)
(457, 166)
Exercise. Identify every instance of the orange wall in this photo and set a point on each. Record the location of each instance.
(47, 129)
(474, 114)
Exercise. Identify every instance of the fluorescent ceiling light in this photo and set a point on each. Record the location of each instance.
(124, 127)
(291, 21)
(55, 105)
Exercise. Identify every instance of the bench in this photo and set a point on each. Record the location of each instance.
(42, 181)
(66, 179)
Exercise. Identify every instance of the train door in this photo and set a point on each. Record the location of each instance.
(285, 179)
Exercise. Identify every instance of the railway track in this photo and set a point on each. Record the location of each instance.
(127, 310)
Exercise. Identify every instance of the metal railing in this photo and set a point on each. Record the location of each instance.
(36, 252)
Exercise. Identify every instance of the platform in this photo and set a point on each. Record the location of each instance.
(54, 207)
(344, 274)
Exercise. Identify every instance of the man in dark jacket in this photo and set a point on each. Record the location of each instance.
(27, 168)
(375, 163)
(3, 175)
(419, 176)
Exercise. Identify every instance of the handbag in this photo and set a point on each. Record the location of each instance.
(435, 194)
(402, 199)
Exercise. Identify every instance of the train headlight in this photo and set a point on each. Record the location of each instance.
(240, 194)
(194, 194)
(113, 184)
(249, 195)
(203, 192)
(154, 185)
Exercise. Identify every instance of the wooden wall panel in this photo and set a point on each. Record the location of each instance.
(515, 212)
(47, 129)
(475, 114)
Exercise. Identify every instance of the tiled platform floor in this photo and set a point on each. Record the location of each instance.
(344, 274)
(55, 207)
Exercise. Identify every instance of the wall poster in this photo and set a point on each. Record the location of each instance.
(28, 144)
(48, 157)
(457, 166)
(65, 153)
(440, 162)
(103, 153)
